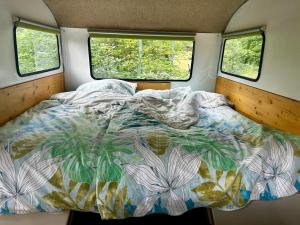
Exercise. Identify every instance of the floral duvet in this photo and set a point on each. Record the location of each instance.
(103, 154)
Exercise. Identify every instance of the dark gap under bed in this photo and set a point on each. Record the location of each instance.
(199, 216)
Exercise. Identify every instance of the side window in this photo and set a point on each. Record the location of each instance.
(141, 57)
(242, 55)
(37, 49)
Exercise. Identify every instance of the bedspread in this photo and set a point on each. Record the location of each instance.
(107, 155)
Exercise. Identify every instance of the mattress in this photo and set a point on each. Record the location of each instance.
(125, 156)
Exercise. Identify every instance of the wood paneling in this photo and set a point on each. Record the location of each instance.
(262, 106)
(17, 99)
(153, 85)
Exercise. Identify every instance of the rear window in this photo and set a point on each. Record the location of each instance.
(141, 58)
(37, 51)
(242, 55)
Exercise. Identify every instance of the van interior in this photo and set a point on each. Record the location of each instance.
(147, 111)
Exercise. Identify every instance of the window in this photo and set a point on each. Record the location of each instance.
(36, 49)
(130, 57)
(242, 55)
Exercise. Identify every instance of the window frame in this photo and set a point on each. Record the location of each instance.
(140, 80)
(17, 58)
(234, 36)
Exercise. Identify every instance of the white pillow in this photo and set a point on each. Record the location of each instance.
(178, 92)
(109, 85)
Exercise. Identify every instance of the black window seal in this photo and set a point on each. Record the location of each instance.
(262, 33)
(36, 72)
(142, 80)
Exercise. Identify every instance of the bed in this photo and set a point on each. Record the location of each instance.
(109, 149)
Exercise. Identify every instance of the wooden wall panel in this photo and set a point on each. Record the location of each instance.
(17, 99)
(262, 106)
(153, 85)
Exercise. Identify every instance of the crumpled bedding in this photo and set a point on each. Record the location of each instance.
(177, 108)
(113, 155)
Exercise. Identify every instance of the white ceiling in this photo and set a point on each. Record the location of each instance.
(209, 16)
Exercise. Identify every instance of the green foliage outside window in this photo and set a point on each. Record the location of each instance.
(37, 51)
(242, 56)
(141, 59)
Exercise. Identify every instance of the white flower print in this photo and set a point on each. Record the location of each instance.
(161, 181)
(31, 176)
(274, 167)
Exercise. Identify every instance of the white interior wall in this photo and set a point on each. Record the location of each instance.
(205, 66)
(34, 10)
(77, 70)
(280, 70)
(75, 57)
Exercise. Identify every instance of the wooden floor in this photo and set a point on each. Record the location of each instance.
(42, 218)
(196, 216)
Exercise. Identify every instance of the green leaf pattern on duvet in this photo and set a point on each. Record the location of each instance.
(75, 143)
(112, 197)
(109, 164)
(222, 152)
(75, 196)
(24, 145)
(221, 189)
(83, 146)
